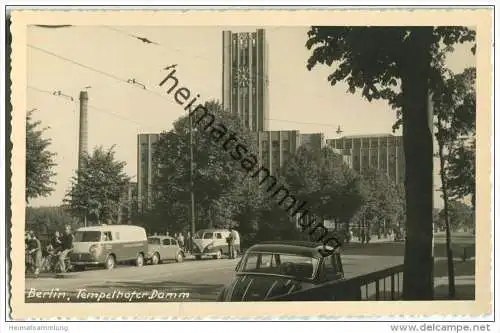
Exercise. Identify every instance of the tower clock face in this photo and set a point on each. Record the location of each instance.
(242, 76)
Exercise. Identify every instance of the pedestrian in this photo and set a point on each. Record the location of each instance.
(180, 240)
(229, 241)
(66, 247)
(56, 243)
(35, 250)
(189, 242)
(362, 236)
(27, 256)
(235, 235)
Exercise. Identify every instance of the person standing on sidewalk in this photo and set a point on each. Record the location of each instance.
(189, 242)
(235, 243)
(180, 240)
(67, 246)
(35, 250)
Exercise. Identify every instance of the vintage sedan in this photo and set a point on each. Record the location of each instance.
(163, 248)
(273, 269)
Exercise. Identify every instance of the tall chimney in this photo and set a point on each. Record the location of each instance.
(83, 134)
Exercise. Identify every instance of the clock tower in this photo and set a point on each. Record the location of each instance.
(245, 77)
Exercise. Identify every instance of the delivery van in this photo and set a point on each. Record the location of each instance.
(108, 245)
(212, 242)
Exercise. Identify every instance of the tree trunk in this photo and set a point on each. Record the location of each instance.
(449, 252)
(418, 282)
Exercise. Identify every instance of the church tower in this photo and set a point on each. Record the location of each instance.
(245, 77)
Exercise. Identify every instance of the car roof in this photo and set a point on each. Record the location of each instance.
(303, 248)
(212, 230)
(160, 236)
(108, 227)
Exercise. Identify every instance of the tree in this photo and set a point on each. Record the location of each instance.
(44, 221)
(383, 200)
(216, 176)
(320, 178)
(454, 100)
(460, 215)
(97, 188)
(39, 161)
(396, 64)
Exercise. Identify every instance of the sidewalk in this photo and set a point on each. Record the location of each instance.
(465, 288)
(373, 240)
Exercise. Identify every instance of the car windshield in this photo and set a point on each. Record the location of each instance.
(87, 236)
(154, 240)
(301, 267)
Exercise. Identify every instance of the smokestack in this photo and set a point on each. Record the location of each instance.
(83, 134)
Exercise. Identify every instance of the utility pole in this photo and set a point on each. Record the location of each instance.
(191, 174)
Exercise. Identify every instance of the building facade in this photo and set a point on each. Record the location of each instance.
(145, 169)
(277, 147)
(383, 152)
(245, 77)
(313, 140)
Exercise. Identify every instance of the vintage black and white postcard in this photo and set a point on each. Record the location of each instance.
(243, 163)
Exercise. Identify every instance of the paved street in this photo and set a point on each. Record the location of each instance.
(160, 283)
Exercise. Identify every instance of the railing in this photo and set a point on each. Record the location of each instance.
(383, 285)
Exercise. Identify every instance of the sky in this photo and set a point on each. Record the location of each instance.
(118, 111)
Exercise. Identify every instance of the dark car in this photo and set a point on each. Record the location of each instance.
(272, 269)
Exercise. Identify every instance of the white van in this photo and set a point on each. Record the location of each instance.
(108, 245)
(212, 242)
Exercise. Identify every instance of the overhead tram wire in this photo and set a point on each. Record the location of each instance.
(116, 78)
(109, 75)
(131, 35)
(127, 34)
(98, 109)
(169, 48)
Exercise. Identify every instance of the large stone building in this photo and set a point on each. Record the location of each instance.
(145, 169)
(378, 151)
(245, 77)
(276, 147)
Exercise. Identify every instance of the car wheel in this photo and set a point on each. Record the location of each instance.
(139, 262)
(179, 257)
(155, 260)
(218, 255)
(197, 257)
(110, 262)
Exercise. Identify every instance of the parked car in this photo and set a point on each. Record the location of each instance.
(163, 248)
(273, 269)
(108, 245)
(213, 243)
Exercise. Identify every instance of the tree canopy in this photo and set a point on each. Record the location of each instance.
(320, 177)
(455, 109)
(46, 220)
(218, 182)
(460, 215)
(39, 161)
(96, 189)
(383, 199)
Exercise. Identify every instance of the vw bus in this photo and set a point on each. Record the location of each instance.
(108, 245)
(212, 243)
